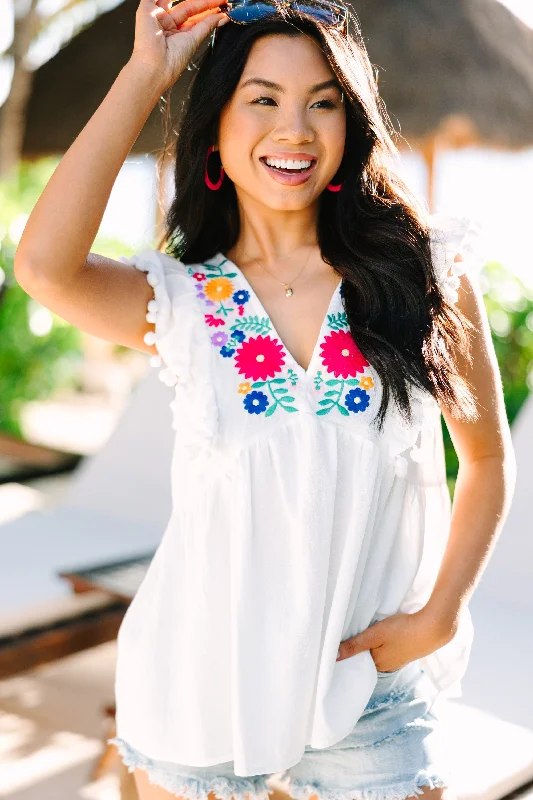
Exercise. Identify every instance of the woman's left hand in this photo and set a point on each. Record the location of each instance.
(396, 640)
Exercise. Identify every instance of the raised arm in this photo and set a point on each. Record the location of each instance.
(52, 263)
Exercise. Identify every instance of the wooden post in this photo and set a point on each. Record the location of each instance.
(429, 151)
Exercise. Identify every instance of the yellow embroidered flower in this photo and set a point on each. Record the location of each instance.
(218, 289)
(366, 382)
(245, 387)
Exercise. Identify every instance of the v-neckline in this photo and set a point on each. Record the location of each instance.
(262, 309)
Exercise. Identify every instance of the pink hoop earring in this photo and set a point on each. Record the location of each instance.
(331, 188)
(208, 181)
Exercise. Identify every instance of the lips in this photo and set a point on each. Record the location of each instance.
(289, 178)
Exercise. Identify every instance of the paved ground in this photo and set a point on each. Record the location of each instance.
(52, 729)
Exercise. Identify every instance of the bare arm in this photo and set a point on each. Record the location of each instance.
(487, 468)
(53, 263)
(483, 492)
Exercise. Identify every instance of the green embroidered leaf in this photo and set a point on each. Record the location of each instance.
(290, 408)
(286, 399)
(270, 411)
(333, 382)
(325, 403)
(344, 411)
(352, 381)
(324, 411)
(331, 393)
(252, 324)
(230, 275)
(278, 380)
(257, 384)
(337, 321)
(280, 390)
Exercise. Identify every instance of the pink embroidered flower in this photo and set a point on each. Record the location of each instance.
(241, 310)
(199, 276)
(341, 356)
(214, 321)
(260, 358)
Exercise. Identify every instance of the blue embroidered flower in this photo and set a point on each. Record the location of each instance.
(255, 402)
(227, 351)
(357, 400)
(241, 296)
(240, 336)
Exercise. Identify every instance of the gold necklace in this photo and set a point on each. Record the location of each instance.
(289, 291)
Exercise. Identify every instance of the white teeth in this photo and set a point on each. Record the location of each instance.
(287, 164)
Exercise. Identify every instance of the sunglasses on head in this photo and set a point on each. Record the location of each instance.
(243, 12)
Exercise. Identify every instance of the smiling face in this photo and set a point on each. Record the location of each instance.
(287, 105)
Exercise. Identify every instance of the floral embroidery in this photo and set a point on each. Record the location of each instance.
(259, 356)
(218, 289)
(341, 356)
(255, 402)
(357, 400)
(256, 354)
(343, 359)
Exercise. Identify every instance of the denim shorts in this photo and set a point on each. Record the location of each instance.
(394, 750)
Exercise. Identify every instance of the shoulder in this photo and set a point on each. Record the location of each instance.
(158, 264)
(458, 246)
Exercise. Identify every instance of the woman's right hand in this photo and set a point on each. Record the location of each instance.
(166, 38)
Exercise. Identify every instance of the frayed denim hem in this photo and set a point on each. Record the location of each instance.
(399, 791)
(190, 787)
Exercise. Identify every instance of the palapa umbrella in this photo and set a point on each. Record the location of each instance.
(452, 74)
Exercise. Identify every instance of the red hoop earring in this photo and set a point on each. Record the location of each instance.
(208, 181)
(331, 188)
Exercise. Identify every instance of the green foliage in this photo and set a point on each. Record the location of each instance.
(40, 353)
(509, 306)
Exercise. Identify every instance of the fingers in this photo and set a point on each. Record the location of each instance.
(205, 26)
(159, 16)
(164, 19)
(194, 20)
(189, 8)
(366, 640)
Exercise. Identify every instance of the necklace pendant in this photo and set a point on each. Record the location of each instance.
(288, 290)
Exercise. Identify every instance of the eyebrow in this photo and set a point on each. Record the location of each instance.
(318, 87)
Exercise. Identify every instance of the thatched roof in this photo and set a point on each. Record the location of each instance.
(68, 89)
(463, 68)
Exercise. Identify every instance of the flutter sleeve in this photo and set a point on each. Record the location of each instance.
(450, 235)
(183, 348)
(159, 310)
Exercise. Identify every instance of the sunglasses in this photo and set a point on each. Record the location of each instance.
(243, 12)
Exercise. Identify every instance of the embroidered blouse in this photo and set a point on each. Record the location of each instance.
(295, 525)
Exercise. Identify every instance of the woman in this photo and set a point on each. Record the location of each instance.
(308, 601)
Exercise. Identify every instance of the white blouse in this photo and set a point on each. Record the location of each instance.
(295, 525)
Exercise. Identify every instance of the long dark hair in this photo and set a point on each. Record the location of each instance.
(374, 232)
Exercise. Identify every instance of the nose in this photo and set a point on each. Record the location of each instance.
(293, 126)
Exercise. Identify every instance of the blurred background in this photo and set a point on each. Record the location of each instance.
(84, 425)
